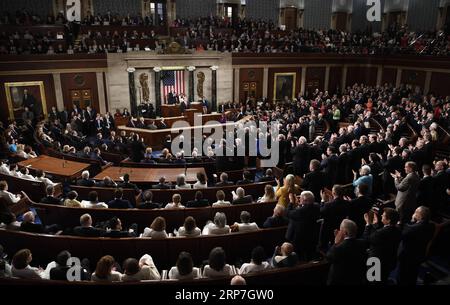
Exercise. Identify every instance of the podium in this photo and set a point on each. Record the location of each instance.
(170, 110)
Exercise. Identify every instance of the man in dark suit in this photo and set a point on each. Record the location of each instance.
(426, 190)
(148, 203)
(359, 206)
(224, 180)
(118, 202)
(50, 198)
(198, 202)
(278, 219)
(441, 184)
(329, 165)
(64, 116)
(29, 101)
(284, 256)
(240, 197)
(85, 181)
(28, 225)
(60, 272)
(347, 257)
(137, 149)
(301, 157)
(162, 184)
(303, 230)
(116, 229)
(171, 100)
(384, 239)
(315, 180)
(126, 184)
(247, 178)
(86, 229)
(415, 239)
(268, 177)
(333, 212)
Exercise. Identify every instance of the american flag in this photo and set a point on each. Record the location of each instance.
(173, 80)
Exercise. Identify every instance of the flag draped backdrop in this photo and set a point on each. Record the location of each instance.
(172, 80)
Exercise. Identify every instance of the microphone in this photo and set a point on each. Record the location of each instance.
(185, 169)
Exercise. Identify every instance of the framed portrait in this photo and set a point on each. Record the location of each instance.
(25, 94)
(284, 85)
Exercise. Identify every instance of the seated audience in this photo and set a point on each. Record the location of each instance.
(93, 202)
(162, 184)
(50, 198)
(85, 181)
(198, 202)
(86, 229)
(240, 198)
(28, 225)
(220, 195)
(201, 181)
(147, 196)
(284, 256)
(245, 225)
(257, 262)
(217, 266)
(189, 229)
(224, 180)
(181, 182)
(60, 270)
(40, 176)
(247, 178)
(26, 174)
(126, 184)
(104, 272)
(157, 229)
(269, 195)
(268, 176)
(218, 227)
(71, 200)
(184, 269)
(176, 203)
(21, 266)
(106, 182)
(142, 270)
(118, 202)
(115, 229)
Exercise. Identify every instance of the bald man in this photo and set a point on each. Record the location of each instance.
(238, 280)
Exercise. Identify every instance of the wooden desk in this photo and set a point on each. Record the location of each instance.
(60, 168)
(150, 175)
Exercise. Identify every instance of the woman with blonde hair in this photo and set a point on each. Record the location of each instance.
(289, 186)
(104, 271)
(269, 194)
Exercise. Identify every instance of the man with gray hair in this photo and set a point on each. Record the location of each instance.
(239, 197)
(347, 256)
(303, 230)
(406, 200)
(85, 181)
(364, 178)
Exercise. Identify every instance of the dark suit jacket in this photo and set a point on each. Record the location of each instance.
(119, 204)
(32, 227)
(314, 182)
(357, 208)
(86, 182)
(415, 238)
(303, 229)
(272, 222)
(243, 200)
(384, 243)
(426, 191)
(330, 167)
(88, 232)
(244, 181)
(197, 203)
(226, 183)
(128, 185)
(161, 186)
(118, 234)
(348, 263)
(59, 273)
(50, 200)
(149, 205)
(333, 213)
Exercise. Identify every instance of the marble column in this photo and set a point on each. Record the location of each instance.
(157, 71)
(132, 88)
(214, 88)
(191, 96)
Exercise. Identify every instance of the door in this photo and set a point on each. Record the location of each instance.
(341, 21)
(250, 89)
(81, 98)
(231, 12)
(290, 18)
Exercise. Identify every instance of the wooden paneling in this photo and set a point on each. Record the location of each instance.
(248, 76)
(48, 86)
(440, 83)
(82, 82)
(389, 76)
(364, 75)
(414, 77)
(272, 72)
(315, 78)
(52, 62)
(335, 80)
